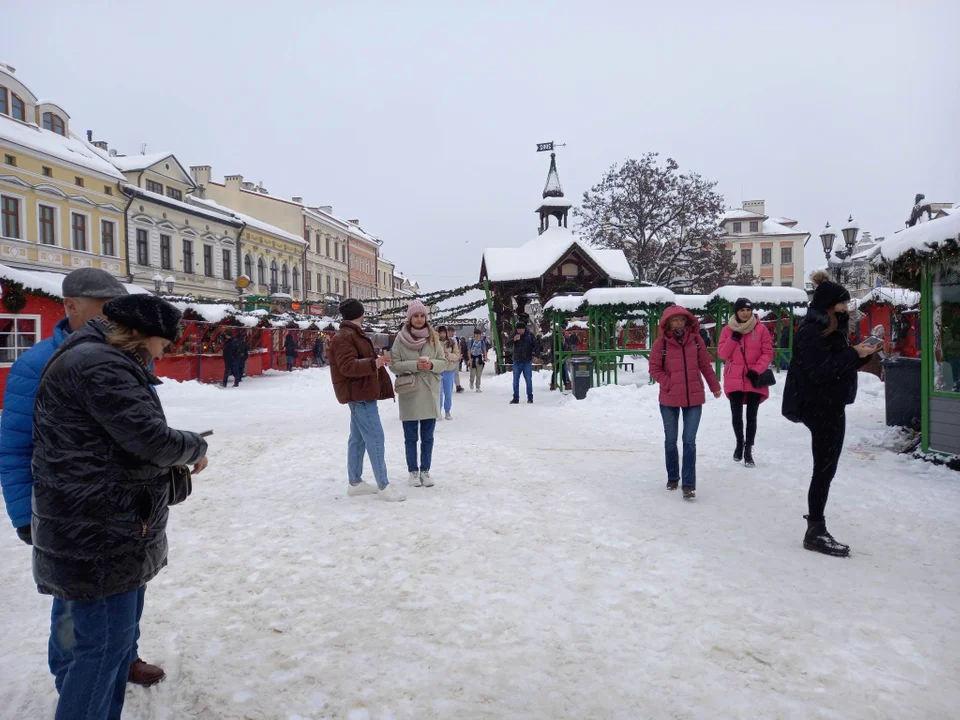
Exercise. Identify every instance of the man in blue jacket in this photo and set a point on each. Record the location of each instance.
(85, 291)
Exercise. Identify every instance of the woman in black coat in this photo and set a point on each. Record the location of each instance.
(821, 382)
(103, 481)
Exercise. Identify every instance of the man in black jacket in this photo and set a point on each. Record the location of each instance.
(524, 352)
(290, 346)
(234, 356)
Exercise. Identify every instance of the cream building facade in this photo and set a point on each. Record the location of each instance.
(771, 248)
(328, 238)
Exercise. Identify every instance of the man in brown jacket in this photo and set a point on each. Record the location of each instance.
(359, 381)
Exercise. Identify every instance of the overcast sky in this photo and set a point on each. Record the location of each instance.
(421, 120)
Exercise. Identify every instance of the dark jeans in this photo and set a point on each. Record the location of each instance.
(424, 429)
(92, 644)
(826, 439)
(234, 368)
(671, 428)
(525, 369)
(752, 401)
(291, 361)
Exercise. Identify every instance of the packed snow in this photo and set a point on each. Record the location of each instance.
(773, 295)
(693, 302)
(629, 296)
(564, 303)
(921, 238)
(898, 297)
(548, 575)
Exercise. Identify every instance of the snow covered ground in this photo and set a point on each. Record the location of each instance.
(548, 575)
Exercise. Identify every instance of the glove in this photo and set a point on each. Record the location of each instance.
(25, 534)
(736, 336)
(753, 376)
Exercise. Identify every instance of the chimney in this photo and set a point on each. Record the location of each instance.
(89, 135)
(355, 222)
(327, 209)
(102, 144)
(756, 206)
(200, 174)
(298, 200)
(233, 182)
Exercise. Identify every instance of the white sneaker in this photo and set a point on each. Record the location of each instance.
(415, 479)
(362, 488)
(479, 390)
(449, 416)
(425, 478)
(391, 494)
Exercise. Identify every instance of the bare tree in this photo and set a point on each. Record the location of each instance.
(667, 224)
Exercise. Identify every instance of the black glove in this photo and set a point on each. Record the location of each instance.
(25, 534)
(753, 376)
(736, 336)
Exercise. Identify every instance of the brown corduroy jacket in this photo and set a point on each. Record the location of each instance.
(353, 367)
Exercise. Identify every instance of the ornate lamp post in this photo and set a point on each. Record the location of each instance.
(157, 282)
(169, 281)
(828, 236)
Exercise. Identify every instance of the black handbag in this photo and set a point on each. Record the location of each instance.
(765, 379)
(181, 484)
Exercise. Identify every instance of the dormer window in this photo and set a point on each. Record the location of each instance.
(19, 110)
(54, 123)
(4, 107)
(737, 228)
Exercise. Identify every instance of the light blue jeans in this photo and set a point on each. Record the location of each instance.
(447, 382)
(526, 370)
(366, 436)
(671, 423)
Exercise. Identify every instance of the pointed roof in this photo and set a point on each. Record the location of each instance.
(552, 188)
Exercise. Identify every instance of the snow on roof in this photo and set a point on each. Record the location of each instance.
(921, 237)
(224, 216)
(756, 294)
(564, 303)
(890, 296)
(784, 221)
(250, 221)
(738, 214)
(629, 296)
(70, 149)
(693, 302)
(49, 282)
(128, 163)
(556, 202)
(535, 257)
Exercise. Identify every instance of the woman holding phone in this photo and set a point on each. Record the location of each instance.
(821, 382)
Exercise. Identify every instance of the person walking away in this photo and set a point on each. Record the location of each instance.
(290, 347)
(821, 382)
(746, 347)
(106, 468)
(679, 362)
(477, 350)
(418, 361)
(234, 355)
(451, 351)
(359, 381)
(85, 292)
(524, 353)
(570, 344)
(464, 357)
(318, 351)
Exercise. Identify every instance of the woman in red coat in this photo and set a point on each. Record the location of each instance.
(747, 350)
(678, 362)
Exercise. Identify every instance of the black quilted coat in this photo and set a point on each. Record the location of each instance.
(102, 454)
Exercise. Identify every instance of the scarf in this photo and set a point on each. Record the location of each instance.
(413, 338)
(742, 328)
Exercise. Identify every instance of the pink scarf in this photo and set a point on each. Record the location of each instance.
(413, 338)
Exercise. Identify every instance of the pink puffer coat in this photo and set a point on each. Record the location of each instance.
(680, 366)
(758, 346)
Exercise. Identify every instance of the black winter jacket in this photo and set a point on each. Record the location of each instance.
(526, 348)
(234, 350)
(102, 454)
(823, 370)
(290, 345)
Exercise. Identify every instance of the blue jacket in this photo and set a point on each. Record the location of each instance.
(16, 424)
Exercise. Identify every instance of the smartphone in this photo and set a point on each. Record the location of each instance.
(872, 341)
(206, 433)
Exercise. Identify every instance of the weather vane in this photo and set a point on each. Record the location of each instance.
(549, 146)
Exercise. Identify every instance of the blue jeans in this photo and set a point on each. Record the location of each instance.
(92, 643)
(671, 422)
(366, 436)
(291, 361)
(234, 368)
(446, 390)
(421, 430)
(525, 369)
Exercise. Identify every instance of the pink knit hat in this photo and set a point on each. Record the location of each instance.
(417, 307)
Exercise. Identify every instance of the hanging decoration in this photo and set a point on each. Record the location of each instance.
(907, 269)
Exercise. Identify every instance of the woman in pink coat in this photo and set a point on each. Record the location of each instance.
(678, 362)
(747, 349)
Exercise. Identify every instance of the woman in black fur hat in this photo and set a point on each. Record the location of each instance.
(821, 382)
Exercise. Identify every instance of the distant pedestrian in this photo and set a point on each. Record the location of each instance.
(318, 351)
(821, 382)
(524, 353)
(418, 362)
(570, 344)
(477, 350)
(234, 356)
(451, 351)
(359, 381)
(290, 346)
(679, 362)
(747, 349)
(462, 350)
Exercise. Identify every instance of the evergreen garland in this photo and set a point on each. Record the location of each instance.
(906, 270)
(15, 295)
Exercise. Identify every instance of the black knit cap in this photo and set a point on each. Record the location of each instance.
(147, 314)
(742, 303)
(351, 309)
(521, 324)
(828, 294)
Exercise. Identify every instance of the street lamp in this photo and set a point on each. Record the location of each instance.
(850, 231)
(157, 281)
(170, 282)
(828, 236)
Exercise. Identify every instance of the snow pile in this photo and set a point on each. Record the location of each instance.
(756, 294)
(693, 303)
(50, 282)
(898, 297)
(921, 238)
(535, 257)
(650, 295)
(564, 303)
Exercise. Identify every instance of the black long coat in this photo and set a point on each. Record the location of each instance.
(102, 454)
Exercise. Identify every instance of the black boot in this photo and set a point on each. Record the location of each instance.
(738, 453)
(748, 456)
(820, 540)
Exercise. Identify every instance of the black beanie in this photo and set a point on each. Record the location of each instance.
(742, 303)
(351, 309)
(147, 314)
(828, 293)
(522, 325)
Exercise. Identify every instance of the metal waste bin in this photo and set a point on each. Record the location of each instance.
(582, 372)
(901, 381)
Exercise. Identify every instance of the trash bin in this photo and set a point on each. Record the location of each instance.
(582, 371)
(902, 391)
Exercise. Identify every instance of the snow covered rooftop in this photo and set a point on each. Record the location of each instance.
(70, 149)
(129, 163)
(921, 238)
(250, 221)
(558, 202)
(224, 215)
(49, 282)
(693, 302)
(738, 214)
(534, 258)
(772, 295)
(564, 303)
(629, 296)
(891, 296)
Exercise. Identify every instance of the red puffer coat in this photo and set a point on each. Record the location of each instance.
(680, 366)
(758, 347)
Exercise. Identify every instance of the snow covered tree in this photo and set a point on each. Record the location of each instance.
(666, 222)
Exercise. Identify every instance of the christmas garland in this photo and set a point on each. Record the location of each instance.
(431, 298)
(451, 313)
(713, 307)
(15, 295)
(906, 270)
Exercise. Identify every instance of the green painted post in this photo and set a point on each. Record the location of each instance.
(926, 352)
(494, 330)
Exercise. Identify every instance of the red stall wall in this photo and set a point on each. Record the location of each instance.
(49, 312)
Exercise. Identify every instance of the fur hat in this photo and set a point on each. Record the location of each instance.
(417, 308)
(351, 309)
(827, 293)
(147, 314)
(742, 304)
